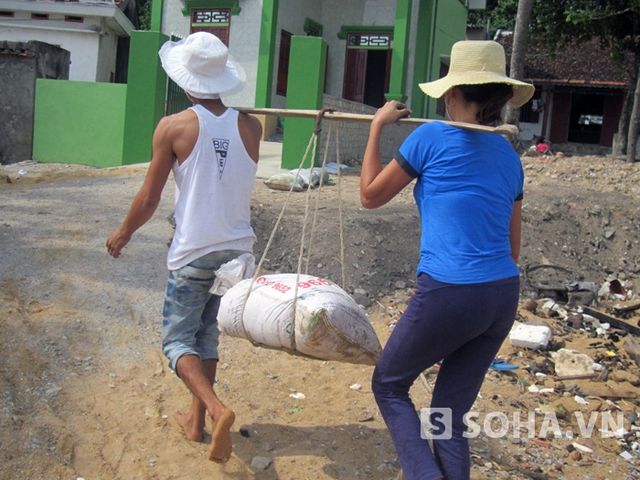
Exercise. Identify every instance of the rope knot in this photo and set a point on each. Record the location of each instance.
(321, 113)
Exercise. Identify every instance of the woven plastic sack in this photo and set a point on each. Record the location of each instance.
(284, 181)
(329, 325)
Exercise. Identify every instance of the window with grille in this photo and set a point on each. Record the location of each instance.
(216, 21)
(369, 40)
(312, 28)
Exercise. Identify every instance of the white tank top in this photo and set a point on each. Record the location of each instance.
(213, 192)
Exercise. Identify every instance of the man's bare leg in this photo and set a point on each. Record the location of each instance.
(199, 376)
(194, 421)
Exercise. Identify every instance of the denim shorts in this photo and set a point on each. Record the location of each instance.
(189, 319)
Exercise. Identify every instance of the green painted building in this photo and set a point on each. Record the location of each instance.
(297, 54)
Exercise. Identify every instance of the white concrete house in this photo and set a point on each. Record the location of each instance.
(89, 30)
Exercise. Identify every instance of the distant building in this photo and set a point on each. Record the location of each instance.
(579, 94)
(365, 53)
(377, 49)
(96, 33)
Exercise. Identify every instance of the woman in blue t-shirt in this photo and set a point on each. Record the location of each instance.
(469, 193)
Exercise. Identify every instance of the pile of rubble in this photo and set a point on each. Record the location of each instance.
(561, 400)
(578, 379)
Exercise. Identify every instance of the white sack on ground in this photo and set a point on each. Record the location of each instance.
(284, 181)
(311, 176)
(329, 325)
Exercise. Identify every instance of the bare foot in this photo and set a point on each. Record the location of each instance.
(221, 447)
(192, 430)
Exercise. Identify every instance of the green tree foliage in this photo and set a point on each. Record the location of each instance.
(615, 22)
(144, 13)
(557, 23)
(499, 15)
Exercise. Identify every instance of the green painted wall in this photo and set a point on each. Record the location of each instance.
(435, 38)
(103, 124)
(304, 91)
(266, 54)
(79, 122)
(145, 96)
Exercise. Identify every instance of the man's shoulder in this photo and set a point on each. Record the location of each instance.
(185, 115)
(178, 121)
(250, 124)
(248, 119)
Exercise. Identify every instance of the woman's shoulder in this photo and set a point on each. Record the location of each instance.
(427, 131)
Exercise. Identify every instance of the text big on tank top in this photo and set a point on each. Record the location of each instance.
(213, 192)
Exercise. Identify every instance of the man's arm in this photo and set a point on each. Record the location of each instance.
(146, 201)
(251, 133)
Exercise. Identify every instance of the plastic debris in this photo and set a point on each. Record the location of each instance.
(580, 400)
(627, 456)
(582, 448)
(501, 365)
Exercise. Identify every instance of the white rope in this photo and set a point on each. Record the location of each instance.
(301, 255)
(312, 141)
(312, 145)
(344, 281)
(317, 207)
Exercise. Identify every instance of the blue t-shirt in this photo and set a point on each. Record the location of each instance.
(467, 182)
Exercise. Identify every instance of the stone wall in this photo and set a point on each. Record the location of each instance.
(21, 64)
(352, 136)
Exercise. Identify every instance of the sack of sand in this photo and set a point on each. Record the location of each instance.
(318, 319)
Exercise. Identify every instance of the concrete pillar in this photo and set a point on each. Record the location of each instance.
(266, 55)
(157, 6)
(145, 96)
(423, 57)
(400, 55)
(305, 88)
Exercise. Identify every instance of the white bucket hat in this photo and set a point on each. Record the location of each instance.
(202, 66)
(476, 62)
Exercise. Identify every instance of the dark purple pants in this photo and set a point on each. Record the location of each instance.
(462, 325)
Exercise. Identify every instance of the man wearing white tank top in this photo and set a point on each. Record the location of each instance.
(213, 153)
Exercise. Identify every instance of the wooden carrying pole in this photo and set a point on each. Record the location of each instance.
(357, 117)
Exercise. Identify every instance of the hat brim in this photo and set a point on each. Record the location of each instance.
(230, 81)
(522, 91)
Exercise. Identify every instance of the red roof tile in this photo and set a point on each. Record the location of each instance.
(584, 64)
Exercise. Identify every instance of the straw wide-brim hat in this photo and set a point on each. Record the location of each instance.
(201, 65)
(476, 62)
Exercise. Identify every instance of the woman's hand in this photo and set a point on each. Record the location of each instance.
(390, 113)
